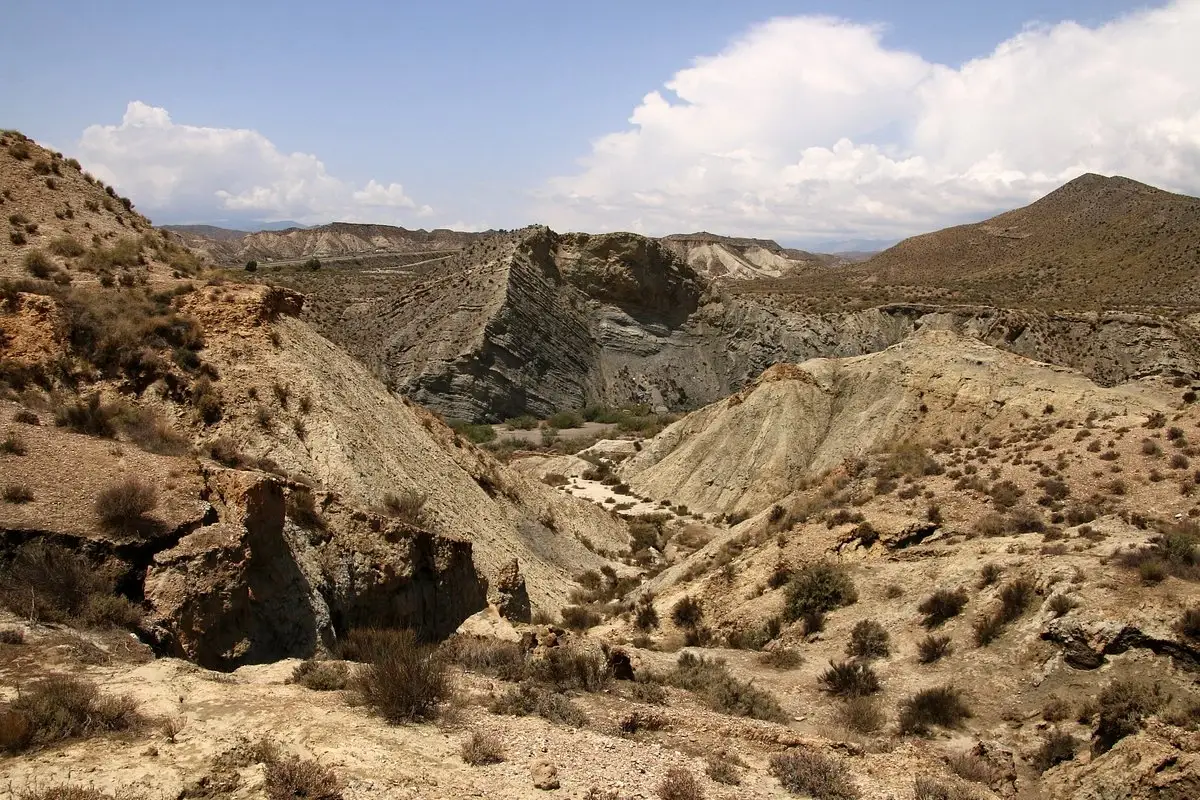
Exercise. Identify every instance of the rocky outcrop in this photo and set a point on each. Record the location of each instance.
(1161, 763)
(257, 587)
(534, 322)
(1087, 645)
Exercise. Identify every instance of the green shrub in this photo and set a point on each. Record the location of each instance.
(822, 586)
(479, 434)
(1015, 597)
(525, 422)
(402, 680)
(944, 706)
(710, 680)
(850, 679)
(868, 640)
(565, 420)
(687, 613)
(806, 771)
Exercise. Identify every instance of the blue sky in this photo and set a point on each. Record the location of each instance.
(489, 113)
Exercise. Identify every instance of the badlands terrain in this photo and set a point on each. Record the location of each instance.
(541, 514)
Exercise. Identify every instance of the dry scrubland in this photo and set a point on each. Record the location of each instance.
(233, 563)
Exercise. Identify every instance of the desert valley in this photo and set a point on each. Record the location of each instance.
(354, 511)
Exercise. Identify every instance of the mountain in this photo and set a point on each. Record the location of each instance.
(1096, 242)
(714, 256)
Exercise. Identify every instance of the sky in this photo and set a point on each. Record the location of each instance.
(820, 124)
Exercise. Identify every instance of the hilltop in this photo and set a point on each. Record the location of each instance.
(738, 258)
(1095, 243)
(338, 239)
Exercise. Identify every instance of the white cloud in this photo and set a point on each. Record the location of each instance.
(812, 127)
(197, 173)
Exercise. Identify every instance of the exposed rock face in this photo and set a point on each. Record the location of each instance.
(1162, 763)
(740, 258)
(536, 322)
(513, 601)
(255, 588)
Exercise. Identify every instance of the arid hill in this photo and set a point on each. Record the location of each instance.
(1095, 243)
(735, 258)
(338, 239)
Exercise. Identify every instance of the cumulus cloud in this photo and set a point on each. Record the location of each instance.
(197, 173)
(813, 128)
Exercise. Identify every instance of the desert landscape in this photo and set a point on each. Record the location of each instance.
(355, 511)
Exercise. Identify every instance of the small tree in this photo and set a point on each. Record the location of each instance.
(251, 265)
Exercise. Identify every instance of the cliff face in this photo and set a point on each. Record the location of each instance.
(536, 322)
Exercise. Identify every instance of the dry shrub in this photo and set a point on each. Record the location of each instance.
(1189, 622)
(565, 668)
(822, 586)
(67, 246)
(1122, 706)
(725, 767)
(50, 583)
(781, 658)
(850, 679)
(527, 699)
(944, 706)
(294, 777)
(151, 431)
(580, 618)
(1056, 710)
(1057, 747)
(482, 748)
(679, 784)
(504, 660)
(403, 679)
(933, 648)
(862, 714)
(927, 788)
(941, 606)
(636, 721)
(302, 508)
(972, 767)
(710, 679)
(806, 771)
(322, 676)
(12, 444)
(407, 506)
(12, 636)
(1015, 597)
(868, 639)
(88, 415)
(17, 493)
(124, 505)
(64, 707)
(65, 791)
(647, 692)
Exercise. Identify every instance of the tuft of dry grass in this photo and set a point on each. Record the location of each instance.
(679, 784)
(293, 777)
(943, 706)
(125, 504)
(482, 748)
(402, 680)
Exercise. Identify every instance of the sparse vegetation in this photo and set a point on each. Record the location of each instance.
(822, 586)
(850, 679)
(321, 675)
(63, 707)
(933, 648)
(293, 777)
(17, 493)
(868, 640)
(941, 606)
(50, 583)
(124, 505)
(710, 679)
(402, 679)
(679, 784)
(943, 706)
(1057, 747)
(482, 748)
(407, 506)
(529, 699)
(806, 771)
